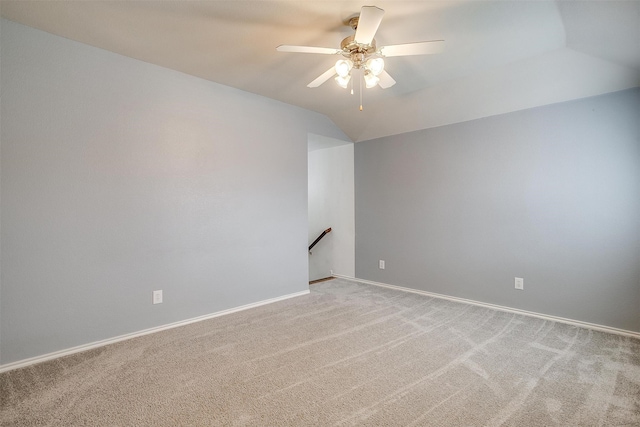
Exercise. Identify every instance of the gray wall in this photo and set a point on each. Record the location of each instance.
(550, 194)
(120, 177)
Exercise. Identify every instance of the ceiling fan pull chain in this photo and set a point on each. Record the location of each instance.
(360, 80)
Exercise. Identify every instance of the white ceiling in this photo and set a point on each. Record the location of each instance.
(500, 56)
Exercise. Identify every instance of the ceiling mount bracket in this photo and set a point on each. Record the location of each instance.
(353, 22)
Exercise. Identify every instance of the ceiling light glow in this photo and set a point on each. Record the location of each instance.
(343, 81)
(375, 65)
(370, 80)
(343, 67)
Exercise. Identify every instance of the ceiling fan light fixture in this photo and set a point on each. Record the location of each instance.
(375, 65)
(370, 80)
(343, 67)
(361, 55)
(343, 81)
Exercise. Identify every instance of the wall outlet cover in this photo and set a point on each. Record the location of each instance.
(157, 297)
(519, 283)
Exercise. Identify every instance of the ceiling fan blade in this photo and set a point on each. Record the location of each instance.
(368, 23)
(308, 49)
(417, 48)
(323, 77)
(385, 80)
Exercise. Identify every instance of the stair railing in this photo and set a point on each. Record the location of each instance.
(315, 242)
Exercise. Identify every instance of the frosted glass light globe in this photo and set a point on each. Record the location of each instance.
(375, 65)
(343, 67)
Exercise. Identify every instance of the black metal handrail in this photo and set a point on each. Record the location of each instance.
(324, 233)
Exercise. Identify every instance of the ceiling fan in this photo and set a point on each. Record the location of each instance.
(362, 54)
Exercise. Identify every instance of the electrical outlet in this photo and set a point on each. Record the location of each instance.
(520, 283)
(381, 264)
(331, 272)
(157, 297)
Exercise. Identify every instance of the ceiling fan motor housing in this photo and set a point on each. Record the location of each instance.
(356, 52)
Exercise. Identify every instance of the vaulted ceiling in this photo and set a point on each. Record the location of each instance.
(500, 56)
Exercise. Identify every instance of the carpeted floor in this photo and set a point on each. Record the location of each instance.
(347, 354)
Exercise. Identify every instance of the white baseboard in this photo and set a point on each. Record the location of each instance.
(573, 322)
(39, 359)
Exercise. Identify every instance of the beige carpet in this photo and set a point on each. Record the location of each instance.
(347, 354)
